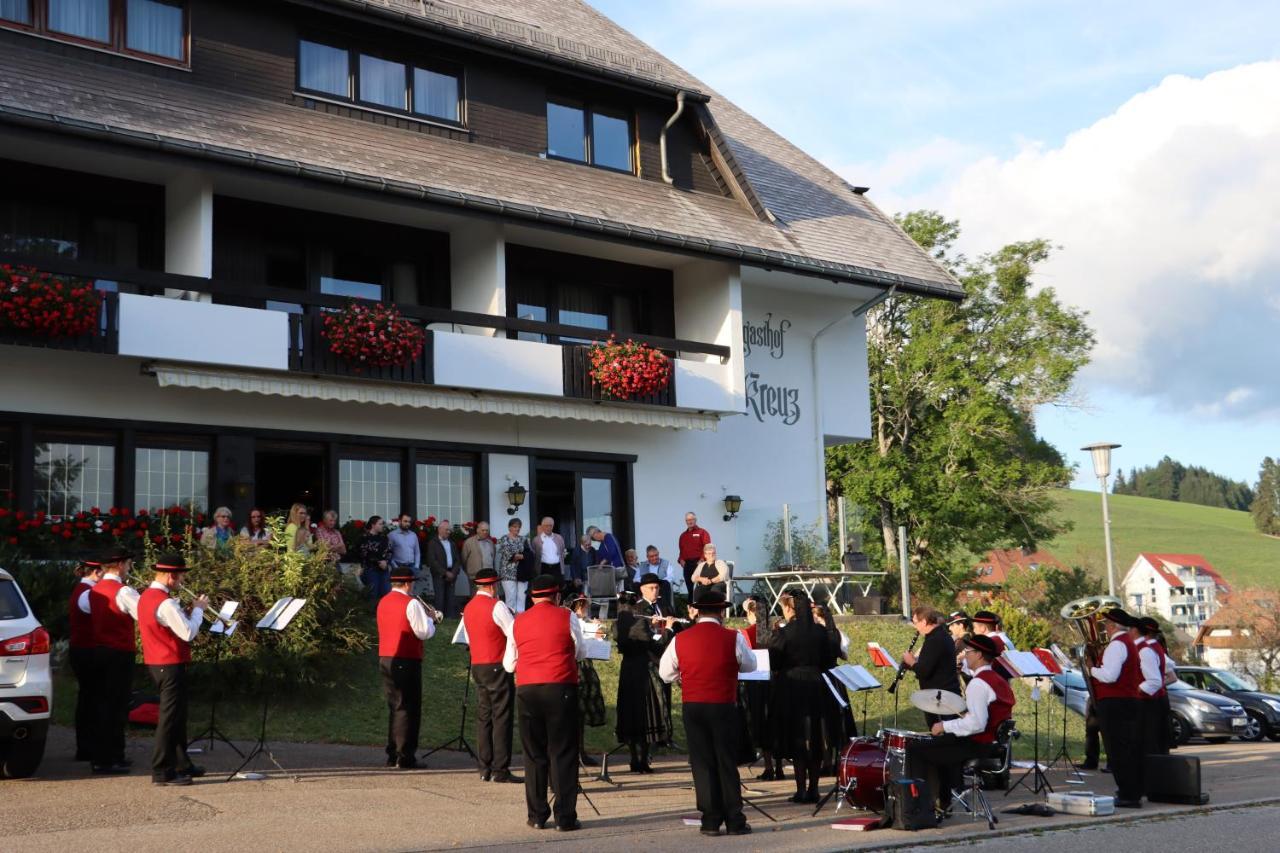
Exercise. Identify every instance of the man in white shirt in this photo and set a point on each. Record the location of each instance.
(487, 623)
(549, 546)
(112, 606)
(1117, 703)
(403, 626)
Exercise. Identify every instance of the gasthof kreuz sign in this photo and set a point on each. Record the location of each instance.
(767, 341)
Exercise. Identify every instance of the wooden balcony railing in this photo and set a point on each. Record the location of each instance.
(309, 353)
(105, 337)
(578, 384)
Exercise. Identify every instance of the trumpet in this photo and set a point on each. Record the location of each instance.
(212, 615)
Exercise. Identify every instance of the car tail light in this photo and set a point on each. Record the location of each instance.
(35, 643)
(31, 704)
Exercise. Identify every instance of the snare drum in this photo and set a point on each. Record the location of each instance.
(861, 773)
(900, 748)
(901, 739)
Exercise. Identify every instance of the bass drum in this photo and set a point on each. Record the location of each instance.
(861, 774)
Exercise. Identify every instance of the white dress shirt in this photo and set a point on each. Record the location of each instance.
(550, 552)
(575, 634)
(126, 598)
(423, 626)
(669, 666)
(170, 615)
(977, 696)
(1113, 658)
(1152, 675)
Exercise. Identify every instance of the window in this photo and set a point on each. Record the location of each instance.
(381, 80)
(367, 488)
(585, 135)
(71, 478)
(165, 478)
(445, 491)
(155, 29)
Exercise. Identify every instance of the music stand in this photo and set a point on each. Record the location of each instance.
(275, 621)
(221, 628)
(881, 659)
(856, 678)
(460, 639)
(1027, 665)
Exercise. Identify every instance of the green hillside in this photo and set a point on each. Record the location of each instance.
(1225, 537)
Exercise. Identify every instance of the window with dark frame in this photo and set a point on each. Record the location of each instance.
(384, 81)
(584, 133)
(150, 29)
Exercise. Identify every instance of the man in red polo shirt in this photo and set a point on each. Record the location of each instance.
(488, 622)
(80, 655)
(692, 541)
(543, 652)
(403, 626)
(1116, 691)
(706, 659)
(112, 606)
(167, 633)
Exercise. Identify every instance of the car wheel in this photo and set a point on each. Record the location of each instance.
(1217, 739)
(1255, 728)
(1179, 730)
(21, 758)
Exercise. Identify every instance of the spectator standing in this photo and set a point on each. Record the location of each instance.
(256, 530)
(218, 537)
(512, 550)
(405, 548)
(549, 546)
(478, 553)
(374, 552)
(298, 529)
(444, 561)
(331, 537)
(608, 551)
(692, 541)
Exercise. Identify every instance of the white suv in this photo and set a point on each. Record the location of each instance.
(26, 687)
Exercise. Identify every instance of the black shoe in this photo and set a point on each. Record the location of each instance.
(536, 824)
(767, 776)
(486, 776)
(1087, 767)
(745, 829)
(646, 768)
(410, 764)
(1128, 804)
(175, 780)
(711, 832)
(195, 771)
(83, 756)
(507, 778)
(797, 797)
(569, 827)
(125, 762)
(811, 797)
(110, 769)
(588, 761)
(391, 761)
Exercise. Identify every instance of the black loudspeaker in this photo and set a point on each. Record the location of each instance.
(911, 804)
(1174, 779)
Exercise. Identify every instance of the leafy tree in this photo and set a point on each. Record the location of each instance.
(954, 455)
(1170, 480)
(1266, 502)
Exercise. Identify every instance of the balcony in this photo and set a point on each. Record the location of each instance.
(229, 325)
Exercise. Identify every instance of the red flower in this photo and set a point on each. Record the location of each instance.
(66, 534)
(13, 540)
(358, 524)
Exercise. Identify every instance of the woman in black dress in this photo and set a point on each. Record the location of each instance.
(642, 712)
(804, 647)
(838, 725)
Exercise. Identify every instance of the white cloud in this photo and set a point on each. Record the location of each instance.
(1168, 216)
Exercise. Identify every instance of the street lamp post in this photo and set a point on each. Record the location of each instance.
(1101, 452)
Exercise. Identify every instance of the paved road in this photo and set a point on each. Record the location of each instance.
(339, 798)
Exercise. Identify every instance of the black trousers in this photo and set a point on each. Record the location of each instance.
(1119, 721)
(549, 734)
(1092, 736)
(115, 686)
(943, 759)
(169, 757)
(402, 686)
(82, 664)
(689, 566)
(553, 569)
(712, 733)
(443, 594)
(495, 696)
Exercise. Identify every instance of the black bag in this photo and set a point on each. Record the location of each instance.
(1174, 779)
(910, 804)
(528, 567)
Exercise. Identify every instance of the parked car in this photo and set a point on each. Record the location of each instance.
(26, 687)
(1193, 712)
(1263, 708)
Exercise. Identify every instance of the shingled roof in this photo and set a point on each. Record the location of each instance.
(802, 216)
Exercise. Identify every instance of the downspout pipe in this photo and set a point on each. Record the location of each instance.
(662, 138)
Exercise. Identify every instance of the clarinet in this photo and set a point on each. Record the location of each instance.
(902, 667)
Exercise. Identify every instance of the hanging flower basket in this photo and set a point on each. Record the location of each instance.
(44, 305)
(624, 371)
(373, 335)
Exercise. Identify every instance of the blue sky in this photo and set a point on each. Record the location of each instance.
(1140, 137)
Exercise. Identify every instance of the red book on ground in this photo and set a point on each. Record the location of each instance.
(1049, 661)
(857, 824)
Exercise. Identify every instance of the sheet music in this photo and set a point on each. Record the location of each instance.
(225, 629)
(844, 645)
(281, 614)
(1063, 661)
(836, 693)
(762, 667)
(268, 620)
(855, 677)
(460, 636)
(880, 657)
(1049, 661)
(597, 649)
(1024, 664)
(228, 610)
(592, 629)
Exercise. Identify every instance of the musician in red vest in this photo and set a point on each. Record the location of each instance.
(1117, 703)
(488, 622)
(543, 652)
(112, 606)
(403, 625)
(1154, 704)
(989, 702)
(80, 654)
(167, 633)
(706, 659)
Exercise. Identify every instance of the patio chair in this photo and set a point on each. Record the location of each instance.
(602, 588)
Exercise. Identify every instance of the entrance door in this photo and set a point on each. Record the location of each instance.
(595, 502)
(289, 474)
(579, 495)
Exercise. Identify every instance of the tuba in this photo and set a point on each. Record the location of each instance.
(1086, 615)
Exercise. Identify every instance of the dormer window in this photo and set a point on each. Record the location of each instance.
(589, 134)
(386, 82)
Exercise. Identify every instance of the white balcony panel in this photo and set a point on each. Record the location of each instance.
(153, 327)
(498, 364)
(706, 387)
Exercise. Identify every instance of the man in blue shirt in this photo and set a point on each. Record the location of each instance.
(404, 546)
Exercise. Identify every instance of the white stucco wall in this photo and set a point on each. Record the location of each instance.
(498, 364)
(478, 270)
(151, 327)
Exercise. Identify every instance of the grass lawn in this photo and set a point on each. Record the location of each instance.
(1226, 538)
(353, 711)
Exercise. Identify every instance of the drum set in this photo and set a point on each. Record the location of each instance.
(868, 764)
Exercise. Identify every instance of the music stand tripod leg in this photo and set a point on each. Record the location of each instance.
(604, 776)
(749, 802)
(212, 732)
(461, 738)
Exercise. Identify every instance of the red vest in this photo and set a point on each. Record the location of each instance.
(160, 646)
(708, 661)
(544, 646)
(1000, 709)
(487, 641)
(395, 635)
(1126, 686)
(1160, 658)
(112, 627)
(81, 622)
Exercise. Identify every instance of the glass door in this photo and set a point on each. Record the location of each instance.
(595, 502)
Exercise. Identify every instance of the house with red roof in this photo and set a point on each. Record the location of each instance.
(992, 571)
(1183, 588)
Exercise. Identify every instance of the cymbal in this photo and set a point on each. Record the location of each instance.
(939, 702)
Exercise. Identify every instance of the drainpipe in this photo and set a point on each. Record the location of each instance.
(662, 137)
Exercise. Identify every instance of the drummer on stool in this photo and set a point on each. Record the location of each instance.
(989, 702)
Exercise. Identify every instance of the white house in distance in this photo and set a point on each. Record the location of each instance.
(1183, 588)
